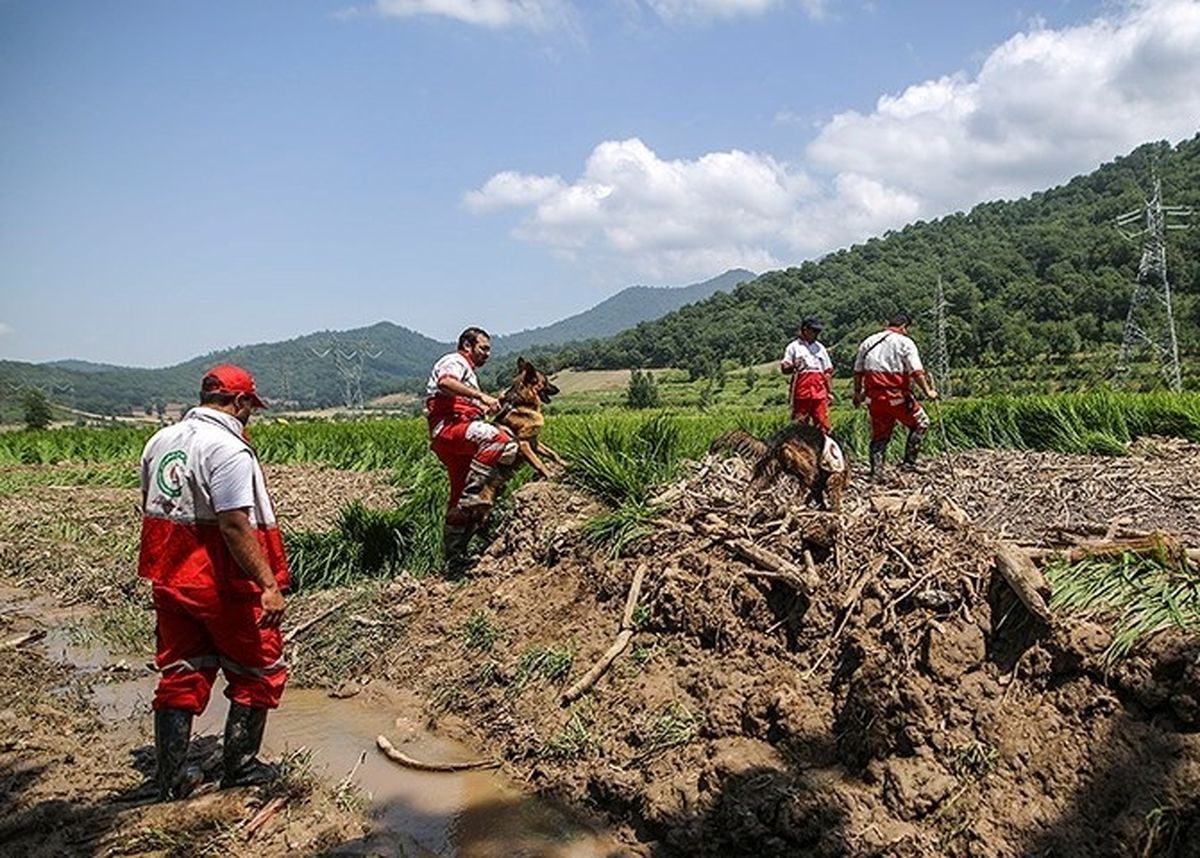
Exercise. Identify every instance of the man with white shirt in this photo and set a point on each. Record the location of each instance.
(812, 373)
(476, 453)
(213, 552)
(885, 370)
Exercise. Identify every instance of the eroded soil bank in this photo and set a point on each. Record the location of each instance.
(904, 704)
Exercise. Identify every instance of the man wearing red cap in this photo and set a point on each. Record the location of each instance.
(214, 555)
(478, 455)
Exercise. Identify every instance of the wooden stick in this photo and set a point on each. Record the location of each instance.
(264, 814)
(769, 560)
(1025, 579)
(308, 624)
(28, 637)
(592, 676)
(635, 590)
(625, 635)
(396, 756)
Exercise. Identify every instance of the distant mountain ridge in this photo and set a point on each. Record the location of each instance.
(627, 308)
(319, 369)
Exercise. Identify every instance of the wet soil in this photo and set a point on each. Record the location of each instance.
(902, 705)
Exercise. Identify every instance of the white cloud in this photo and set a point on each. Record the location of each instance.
(1044, 106)
(680, 10)
(5, 329)
(666, 218)
(496, 14)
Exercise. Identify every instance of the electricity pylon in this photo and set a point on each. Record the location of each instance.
(1150, 323)
(350, 364)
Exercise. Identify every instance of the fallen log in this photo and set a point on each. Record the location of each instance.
(1157, 545)
(397, 756)
(1025, 579)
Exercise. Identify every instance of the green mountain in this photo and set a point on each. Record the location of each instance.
(620, 312)
(327, 368)
(308, 371)
(1025, 280)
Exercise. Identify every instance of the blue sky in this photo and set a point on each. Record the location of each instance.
(182, 175)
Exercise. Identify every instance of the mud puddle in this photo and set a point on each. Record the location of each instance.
(472, 814)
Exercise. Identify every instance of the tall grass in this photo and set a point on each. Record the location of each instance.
(1141, 594)
(618, 456)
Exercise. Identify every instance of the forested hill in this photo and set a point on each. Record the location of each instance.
(306, 371)
(620, 312)
(1045, 275)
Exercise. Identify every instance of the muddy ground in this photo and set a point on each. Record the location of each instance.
(904, 704)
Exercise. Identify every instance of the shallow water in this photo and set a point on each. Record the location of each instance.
(473, 814)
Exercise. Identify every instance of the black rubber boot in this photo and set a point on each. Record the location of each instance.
(172, 735)
(456, 542)
(878, 448)
(243, 738)
(912, 448)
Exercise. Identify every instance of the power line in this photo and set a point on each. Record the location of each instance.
(1150, 323)
(941, 351)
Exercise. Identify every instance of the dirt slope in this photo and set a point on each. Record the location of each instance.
(906, 705)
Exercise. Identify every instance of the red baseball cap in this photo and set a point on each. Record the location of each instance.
(227, 378)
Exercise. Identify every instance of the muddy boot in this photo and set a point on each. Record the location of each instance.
(456, 542)
(911, 449)
(243, 737)
(878, 448)
(172, 735)
(480, 490)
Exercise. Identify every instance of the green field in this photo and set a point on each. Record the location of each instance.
(619, 456)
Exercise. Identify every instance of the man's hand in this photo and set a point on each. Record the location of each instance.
(273, 607)
(490, 403)
(931, 393)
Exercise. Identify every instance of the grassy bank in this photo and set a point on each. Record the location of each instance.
(616, 455)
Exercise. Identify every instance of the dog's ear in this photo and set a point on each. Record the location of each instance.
(529, 371)
(522, 364)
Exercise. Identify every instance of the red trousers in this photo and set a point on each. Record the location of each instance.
(459, 444)
(203, 628)
(814, 411)
(887, 410)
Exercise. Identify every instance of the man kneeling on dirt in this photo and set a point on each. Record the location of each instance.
(212, 550)
(478, 455)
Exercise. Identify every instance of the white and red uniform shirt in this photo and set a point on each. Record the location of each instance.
(442, 407)
(887, 362)
(191, 471)
(812, 367)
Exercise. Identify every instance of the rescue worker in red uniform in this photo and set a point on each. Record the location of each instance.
(478, 455)
(811, 369)
(212, 550)
(885, 369)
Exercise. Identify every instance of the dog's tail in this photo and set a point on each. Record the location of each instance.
(739, 441)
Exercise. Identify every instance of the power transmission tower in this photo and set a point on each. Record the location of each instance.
(1150, 323)
(350, 363)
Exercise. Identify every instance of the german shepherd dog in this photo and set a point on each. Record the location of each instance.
(521, 413)
(798, 449)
